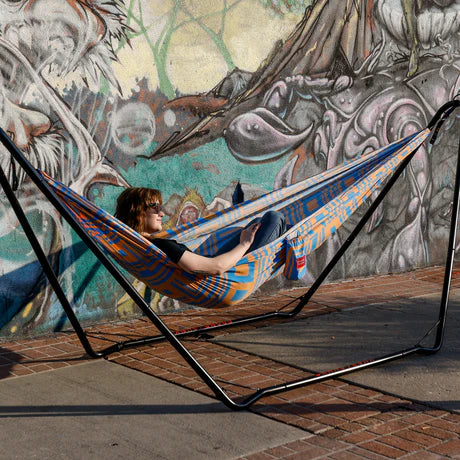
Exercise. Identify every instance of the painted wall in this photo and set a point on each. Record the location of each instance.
(191, 96)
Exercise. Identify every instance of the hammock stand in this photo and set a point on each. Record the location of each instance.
(173, 336)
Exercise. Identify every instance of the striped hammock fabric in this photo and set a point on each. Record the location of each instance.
(314, 209)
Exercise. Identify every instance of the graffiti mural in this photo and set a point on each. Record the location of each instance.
(38, 45)
(194, 96)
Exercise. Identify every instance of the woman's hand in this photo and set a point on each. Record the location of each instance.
(247, 235)
(194, 263)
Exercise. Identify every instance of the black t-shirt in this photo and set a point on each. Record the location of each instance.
(171, 248)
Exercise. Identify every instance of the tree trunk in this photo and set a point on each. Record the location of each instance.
(322, 36)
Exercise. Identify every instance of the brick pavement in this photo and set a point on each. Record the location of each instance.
(348, 421)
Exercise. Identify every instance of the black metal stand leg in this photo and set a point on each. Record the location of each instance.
(449, 263)
(113, 270)
(52, 278)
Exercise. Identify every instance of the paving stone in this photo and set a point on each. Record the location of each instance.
(383, 449)
(449, 448)
(418, 437)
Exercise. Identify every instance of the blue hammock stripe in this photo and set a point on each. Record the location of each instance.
(314, 209)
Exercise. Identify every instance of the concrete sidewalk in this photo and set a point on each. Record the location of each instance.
(147, 403)
(101, 410)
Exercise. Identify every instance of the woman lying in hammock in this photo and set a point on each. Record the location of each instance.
(140, 208)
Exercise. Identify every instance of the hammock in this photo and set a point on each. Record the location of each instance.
(314, 209)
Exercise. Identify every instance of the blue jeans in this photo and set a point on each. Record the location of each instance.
(272, 226)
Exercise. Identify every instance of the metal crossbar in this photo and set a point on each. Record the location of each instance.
(173, 336)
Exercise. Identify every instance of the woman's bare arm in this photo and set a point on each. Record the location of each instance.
(194, 263)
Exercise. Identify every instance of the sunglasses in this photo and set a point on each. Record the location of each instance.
(155, 207)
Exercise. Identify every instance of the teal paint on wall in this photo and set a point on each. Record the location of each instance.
(174, 174)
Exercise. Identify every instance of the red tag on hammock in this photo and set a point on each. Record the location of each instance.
(296, 258)
(300, 262)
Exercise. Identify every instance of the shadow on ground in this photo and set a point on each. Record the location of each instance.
(342, 338)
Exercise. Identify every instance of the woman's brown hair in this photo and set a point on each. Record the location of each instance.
(131, 205)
